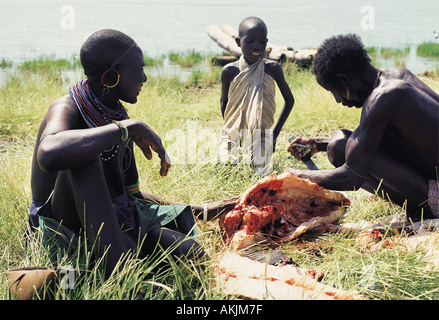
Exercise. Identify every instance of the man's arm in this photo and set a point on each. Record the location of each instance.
(360, 149)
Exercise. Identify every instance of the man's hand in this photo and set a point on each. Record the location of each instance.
(298, 172)
(297, 151)
(146, 139)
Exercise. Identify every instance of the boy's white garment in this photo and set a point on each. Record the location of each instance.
(249, 115)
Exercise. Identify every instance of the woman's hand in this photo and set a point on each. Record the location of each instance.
(146, 139)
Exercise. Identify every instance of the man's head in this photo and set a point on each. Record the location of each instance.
(252, 38)
(114, 59)
(338, 62)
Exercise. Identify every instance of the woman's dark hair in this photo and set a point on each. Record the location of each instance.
(101, 49)
(344, 54)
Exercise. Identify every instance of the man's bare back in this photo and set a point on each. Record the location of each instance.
(413, 106)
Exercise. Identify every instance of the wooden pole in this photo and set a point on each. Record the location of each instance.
(224, 40)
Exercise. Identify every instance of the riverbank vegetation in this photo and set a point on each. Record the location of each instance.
(174, 108)
(428, 49)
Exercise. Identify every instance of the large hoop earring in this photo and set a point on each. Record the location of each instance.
(106, 85)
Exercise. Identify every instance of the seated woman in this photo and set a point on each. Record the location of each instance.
(84, 174)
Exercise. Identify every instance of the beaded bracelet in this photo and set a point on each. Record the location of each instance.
(133, 188)
(123, 130)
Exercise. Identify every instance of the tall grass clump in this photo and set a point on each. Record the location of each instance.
(372, 52)
(49, 64)
(25, 99)
(394, 56)
(428, 49)
(203, 79)
(153, 62)
(5, 63)
(187, 59)
(156, 277)
(387, 53)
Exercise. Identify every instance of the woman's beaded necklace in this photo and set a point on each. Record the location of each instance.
(96, 114)
(93, 111)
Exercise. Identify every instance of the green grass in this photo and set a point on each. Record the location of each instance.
(173, 109)
(396, 55)
(387, 53)
(5, 63)
(428, 49)
(153, 62)
(187, 59)
(48, 64)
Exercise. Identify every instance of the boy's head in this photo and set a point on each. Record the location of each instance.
(251, 22)
(102, 49)
(252, 38)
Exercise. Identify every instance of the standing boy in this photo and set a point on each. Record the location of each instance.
(248, 99)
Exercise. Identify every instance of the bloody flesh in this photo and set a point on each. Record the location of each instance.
(280, 208)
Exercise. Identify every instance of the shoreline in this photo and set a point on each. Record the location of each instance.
(408, 51)
(168, 66)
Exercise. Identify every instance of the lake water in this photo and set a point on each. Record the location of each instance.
(30, 29)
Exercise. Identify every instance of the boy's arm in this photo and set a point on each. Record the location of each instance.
(285, 90)
(228, 72)
(224, 94)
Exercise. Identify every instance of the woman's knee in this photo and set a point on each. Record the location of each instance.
(80, 190)
(336, 147)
